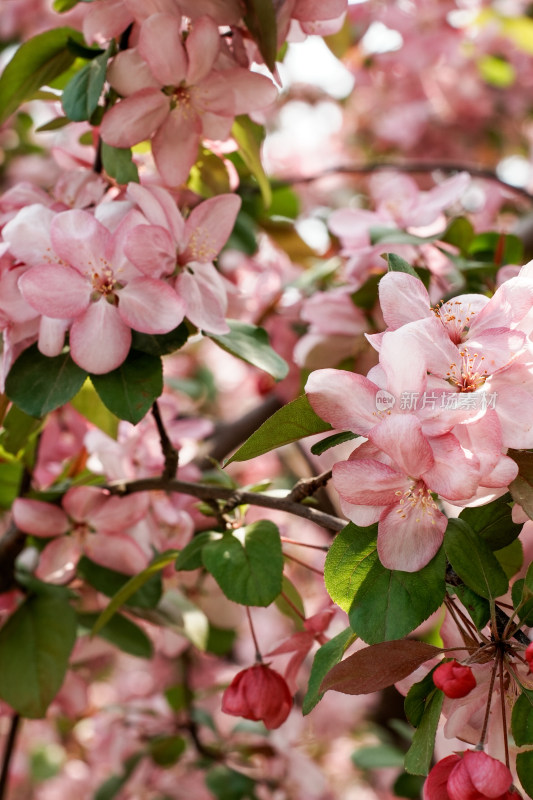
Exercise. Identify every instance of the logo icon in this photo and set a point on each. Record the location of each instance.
(384, 400)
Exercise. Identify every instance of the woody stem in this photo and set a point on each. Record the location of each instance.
(258, 656)
(481, 742)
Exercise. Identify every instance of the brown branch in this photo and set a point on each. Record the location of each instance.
(306, 487)
(9, 749)
(413, 167)
(169, 451)
(233, 497)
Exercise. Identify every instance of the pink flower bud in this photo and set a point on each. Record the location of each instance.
(258, 693)
(474, 776)
(529, 656)
(454, 679)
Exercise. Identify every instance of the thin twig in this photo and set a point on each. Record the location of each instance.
(169, 451)
(258, 655)
(504, 714)
(9, 749)
(414, 167)
(481, 742)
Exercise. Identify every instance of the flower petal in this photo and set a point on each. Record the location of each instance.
(100, 340)
(39, 518)
(150, 306)
(135, 118)
(54, 291)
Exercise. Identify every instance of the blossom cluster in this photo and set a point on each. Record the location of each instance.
(417, 455)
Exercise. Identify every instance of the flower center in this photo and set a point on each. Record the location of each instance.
(469, 374)
(416, 500)
(456, 318)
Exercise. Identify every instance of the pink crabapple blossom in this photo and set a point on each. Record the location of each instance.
(176, 95)
(258, 693)
(79, 279)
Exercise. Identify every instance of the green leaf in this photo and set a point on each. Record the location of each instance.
(146, 587)
(496, 71)
(82, 93)
(145, 593)
(332, 441)
(289, 424)
(409, 786)
(388, 235)
(160, 344)
(477, 607)
(220, 641)
(89, 405)
(397, 264)
(249, 137)
(511, 558)
(36, 63)
(38, 384)
(417, 697)
(382, 604)
(18, 427)
(64, 5)
(418, 757)
(524, 768)
(291, 592)
(227, 784)
(497, 247)
(251, 344)
(55, 124)
(10, 480)
(35, 645)
(493, 522)
(191, 556)
(473, 561)
(460, 232)
(260, 19)
(130, 390)
(349, 560)
(165, 751)
(112, 786)
(377, 757)
(247, 564)
(118, 164)
(522, 719)
(325, 658)
(121, 632)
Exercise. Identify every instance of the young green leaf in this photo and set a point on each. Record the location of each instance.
(38, 384)
(524, 768)
(121, 632)
(191, 556)
(83, 91)
(249, 137)
(325, 658)
(140, 591)
(260, 19)
(251, 344)
(130, 390)
(118, 164)
(397, 264)
(522, 719)
(247, 564)
(418, 757)
(289, 424)
(35, 646)
(36, 63)
(145, 587)
(332, 441)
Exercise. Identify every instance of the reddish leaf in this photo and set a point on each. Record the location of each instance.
(378, 666)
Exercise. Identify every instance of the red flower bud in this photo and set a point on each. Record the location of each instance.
(258, 693)
(529, 656)
(474, 776)
(454, 679)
